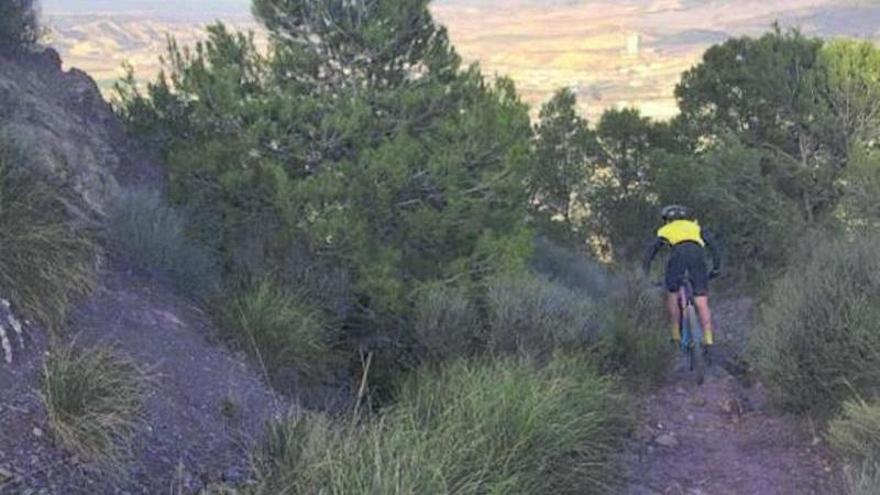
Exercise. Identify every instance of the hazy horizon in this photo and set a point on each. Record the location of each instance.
(204, 9)
(612, 53)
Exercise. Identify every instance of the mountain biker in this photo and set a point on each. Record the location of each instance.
(688, 242)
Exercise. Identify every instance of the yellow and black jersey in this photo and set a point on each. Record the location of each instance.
(680, 233)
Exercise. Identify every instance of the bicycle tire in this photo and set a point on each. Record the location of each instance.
(695, 350)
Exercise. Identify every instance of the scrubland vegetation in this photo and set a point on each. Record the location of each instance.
(355, 190)
(473, 426)
(388, 204)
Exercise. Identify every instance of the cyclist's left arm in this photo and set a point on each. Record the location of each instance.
(651, 253)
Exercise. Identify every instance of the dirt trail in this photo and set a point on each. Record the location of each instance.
(722, 438)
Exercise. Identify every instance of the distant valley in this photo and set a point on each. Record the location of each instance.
(628, 53)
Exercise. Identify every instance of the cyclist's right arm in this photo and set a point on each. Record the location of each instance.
(714, 251)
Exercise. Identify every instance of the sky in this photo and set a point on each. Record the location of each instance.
(612, 53)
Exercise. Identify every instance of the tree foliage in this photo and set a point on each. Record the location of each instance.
(769, 91)
(622, 202)
(566, 154)
(851, 71)
(356, 142)
(363, 44)
(850, 79)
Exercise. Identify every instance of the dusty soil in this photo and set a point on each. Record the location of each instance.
(723, 437)
(205, 411)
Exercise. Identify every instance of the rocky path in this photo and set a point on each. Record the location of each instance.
(722, 437)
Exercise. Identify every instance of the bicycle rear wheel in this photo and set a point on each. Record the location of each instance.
(695, 350)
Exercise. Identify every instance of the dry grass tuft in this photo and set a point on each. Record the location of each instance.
(93, 397)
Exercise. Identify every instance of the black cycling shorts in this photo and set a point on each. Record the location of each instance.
(688, 259)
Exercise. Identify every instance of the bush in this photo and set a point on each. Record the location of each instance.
(93, 397)
(860, 205)
(863, 480)
(471, 427)
(818, 342)
(855, 436)
(855, 433)
(570, 268)
(529, 316)
(152, 235)
(510, 428)
(280, 328)
(18, 23)
(47, 262)
(635, 339)
(447, 323)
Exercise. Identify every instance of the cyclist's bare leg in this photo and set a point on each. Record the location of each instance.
(705, 314)
(674, 315)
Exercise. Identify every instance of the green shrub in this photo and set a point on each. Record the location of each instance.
(510, 428)
(152, 235)
(93, 397)
(863, 480)
(447, 323)
(469, 428)
(855, 436)
(570, 268)
(18, 23)
(860, 205)
(635, 339)
(280, 328)
(817, 342)
(855, 433)
(527, 315)
(47, 261)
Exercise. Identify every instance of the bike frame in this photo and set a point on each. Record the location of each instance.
(690, 330)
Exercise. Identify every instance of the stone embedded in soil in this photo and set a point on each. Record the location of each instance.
(667, 440)
(5, 475)
(731, 406)
(234, 476)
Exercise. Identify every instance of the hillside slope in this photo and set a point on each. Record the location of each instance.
(206, 406)
(204, 412)
(65, 118)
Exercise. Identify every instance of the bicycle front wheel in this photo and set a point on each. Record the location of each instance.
(695, 349)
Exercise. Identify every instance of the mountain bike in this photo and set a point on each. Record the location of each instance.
(691, 332)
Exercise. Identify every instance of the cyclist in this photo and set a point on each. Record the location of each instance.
(688, 242)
